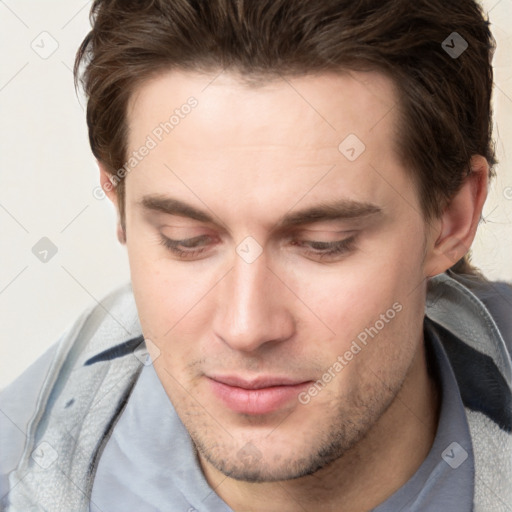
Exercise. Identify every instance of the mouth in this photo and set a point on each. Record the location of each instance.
(262, 395)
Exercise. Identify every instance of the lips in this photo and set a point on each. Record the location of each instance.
(262, 395)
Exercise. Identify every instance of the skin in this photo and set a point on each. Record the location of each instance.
(247, 156)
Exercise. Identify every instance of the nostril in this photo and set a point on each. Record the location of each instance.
(69, 403)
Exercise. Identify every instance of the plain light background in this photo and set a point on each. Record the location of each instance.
(48, 174)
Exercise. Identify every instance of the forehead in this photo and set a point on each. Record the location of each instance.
(311, 107)
(277, 140)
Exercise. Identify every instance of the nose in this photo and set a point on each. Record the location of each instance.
(254, 307)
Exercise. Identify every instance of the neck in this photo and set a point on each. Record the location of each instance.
(367, 474)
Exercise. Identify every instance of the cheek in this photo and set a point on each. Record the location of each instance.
(356, 292)
(373, 306)
(164, 291)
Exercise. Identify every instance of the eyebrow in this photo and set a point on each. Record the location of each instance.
(342, 209)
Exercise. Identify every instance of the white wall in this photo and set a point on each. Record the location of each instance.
(47, 175)
(492, 248)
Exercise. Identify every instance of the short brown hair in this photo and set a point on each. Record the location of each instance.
(445, 113)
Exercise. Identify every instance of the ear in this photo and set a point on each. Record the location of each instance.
(110, 191)
(453, 233)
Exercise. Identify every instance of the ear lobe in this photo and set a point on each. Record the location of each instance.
(121, 236)
(459, 221)
(110, 191)
(106, 185)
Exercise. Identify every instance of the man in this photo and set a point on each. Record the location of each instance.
(297, 184)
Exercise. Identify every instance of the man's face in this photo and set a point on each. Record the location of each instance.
(252, 317)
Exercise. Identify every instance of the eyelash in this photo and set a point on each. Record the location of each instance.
(173, 246)
(328, 249)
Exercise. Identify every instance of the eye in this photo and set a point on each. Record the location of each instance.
(188, 247)
(325, 250)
